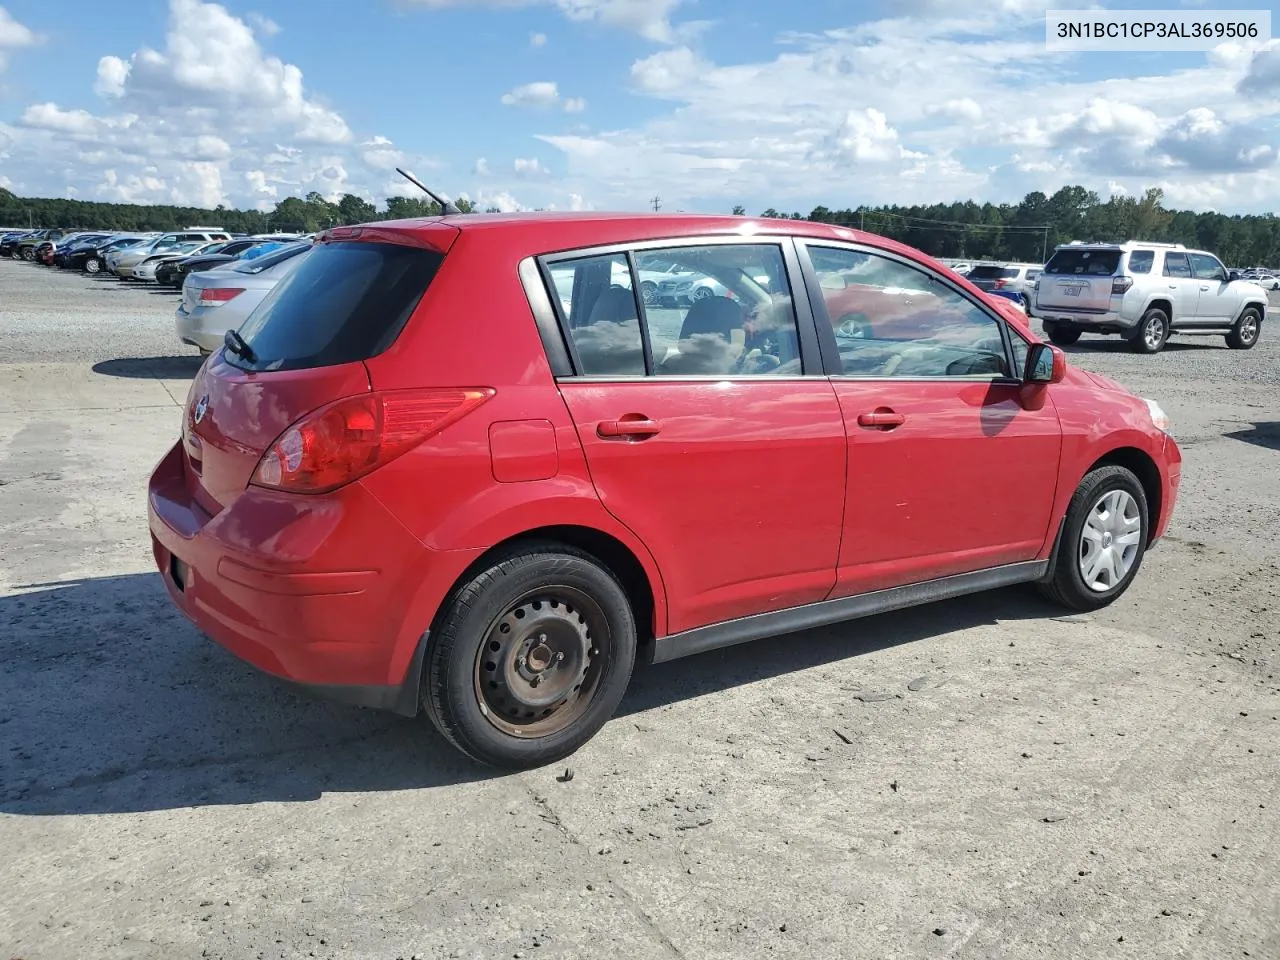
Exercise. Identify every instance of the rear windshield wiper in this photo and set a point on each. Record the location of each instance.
(237, 345)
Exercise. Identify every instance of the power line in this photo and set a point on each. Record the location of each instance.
(657, 204)
(924, 224)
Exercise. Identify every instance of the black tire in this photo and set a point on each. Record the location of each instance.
(1061, 336)
(555, 589)
(1152, 332)
(1246, 331)
(93, 266)
(29, 255)
(1067, 585)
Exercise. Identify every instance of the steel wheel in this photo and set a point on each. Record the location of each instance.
(541, 662)
(1245, 333)
(1110, 540)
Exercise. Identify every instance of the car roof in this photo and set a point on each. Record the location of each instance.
(529, 233)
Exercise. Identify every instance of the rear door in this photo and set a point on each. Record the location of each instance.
(709, 428)
(951, 468)
(1078, 280)
(1181, 288)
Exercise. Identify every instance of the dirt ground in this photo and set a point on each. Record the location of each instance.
(984, 778)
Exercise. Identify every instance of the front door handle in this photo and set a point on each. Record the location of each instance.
(1204, 288)
(627, 428)
(881, 420)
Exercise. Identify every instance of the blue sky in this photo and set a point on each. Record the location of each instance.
(601, 104)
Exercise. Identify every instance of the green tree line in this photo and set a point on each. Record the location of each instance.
(1025, 231)
(292, 214)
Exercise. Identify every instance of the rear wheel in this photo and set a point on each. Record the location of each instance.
(530, 657)
(1246, 331)
(1104, 539)
(1152, 332)
(1062, 336)
(29, 255)
(649, 291)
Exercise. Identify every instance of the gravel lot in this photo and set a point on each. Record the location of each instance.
(983, 778)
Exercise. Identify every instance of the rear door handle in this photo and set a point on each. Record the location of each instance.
(622, 429)
(881, 420)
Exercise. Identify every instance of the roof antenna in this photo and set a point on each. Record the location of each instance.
(446, 206)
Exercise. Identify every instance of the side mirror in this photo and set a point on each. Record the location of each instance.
(1233, 275)
(1045, 364)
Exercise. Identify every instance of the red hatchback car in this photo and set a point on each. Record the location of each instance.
(460, 465)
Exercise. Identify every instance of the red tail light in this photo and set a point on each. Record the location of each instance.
(342, 441)
(1121, 284)
(217, 296)
(1000, 283)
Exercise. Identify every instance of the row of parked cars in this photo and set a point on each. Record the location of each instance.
(222, 276)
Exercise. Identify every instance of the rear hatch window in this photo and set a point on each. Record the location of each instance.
(347, 302)
(993, 273)
(1088, 263)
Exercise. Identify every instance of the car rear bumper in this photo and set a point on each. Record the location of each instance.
(316, 591)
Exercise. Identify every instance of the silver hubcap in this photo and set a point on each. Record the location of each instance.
(1155, 332)
(1110, 540)
(1248, 328)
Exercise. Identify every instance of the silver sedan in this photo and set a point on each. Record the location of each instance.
(215, 301)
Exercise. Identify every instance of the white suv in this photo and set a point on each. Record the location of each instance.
(1144, 292)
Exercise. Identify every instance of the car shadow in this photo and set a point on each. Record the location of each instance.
(111, 702)
(1265, 434)
(150, 368)
(1116, 345)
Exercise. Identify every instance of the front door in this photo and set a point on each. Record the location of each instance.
(1215, 304)
(952, 467)
(702, 432)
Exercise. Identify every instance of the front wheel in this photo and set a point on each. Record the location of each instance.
(649, 291)
(29, 255)
(530, 657)
(93, 265)
(1103, 541)
(1152, 332)
(1246, 331)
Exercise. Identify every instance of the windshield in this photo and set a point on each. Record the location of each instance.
(1089, 263)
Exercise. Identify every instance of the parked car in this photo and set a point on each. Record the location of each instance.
(145, 269)
(215, 301)
(121, 262)
(25, 248)
(1145, 292)
(47, 250)
(64, 251)
(174, 272)
(92, 260)
(1005, 277)
(394, 488)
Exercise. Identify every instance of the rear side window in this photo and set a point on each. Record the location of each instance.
(1176, 265)
(345, 302)
(993, 273)
(1140, 261)
(1087, 263)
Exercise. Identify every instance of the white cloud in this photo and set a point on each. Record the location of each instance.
(648, 18)
(575, 105)
(481, 167)
(263, 25)
(531, 167)
(1263, 75)
(14, 36)
(669, 71)
(965, 108)
(541, 93)
(537, 39)
(501, 199)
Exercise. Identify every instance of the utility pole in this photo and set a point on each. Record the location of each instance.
(1044, 246)
(860, 227)
(657, 204)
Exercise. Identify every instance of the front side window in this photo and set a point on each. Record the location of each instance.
(1206, 267)
(1176, 265)
(895, 320)
(719, 310)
